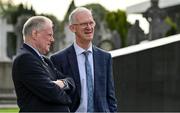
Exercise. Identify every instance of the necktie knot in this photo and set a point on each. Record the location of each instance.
(86, 53)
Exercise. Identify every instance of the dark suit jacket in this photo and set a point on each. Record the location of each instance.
(104, 94)
(33, 84)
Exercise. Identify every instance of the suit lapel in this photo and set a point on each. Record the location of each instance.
(43, 63)
(98, 74)
(29, 49)
(98, 64)
(74, 67)
(49, 67)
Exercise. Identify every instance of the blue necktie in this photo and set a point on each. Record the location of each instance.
(89, 83)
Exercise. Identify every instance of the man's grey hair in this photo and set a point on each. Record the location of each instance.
(35, 22)
(72, 15)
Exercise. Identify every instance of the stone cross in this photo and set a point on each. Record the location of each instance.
(4, 28)
(156, 16)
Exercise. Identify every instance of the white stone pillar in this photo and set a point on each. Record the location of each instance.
(4, 28)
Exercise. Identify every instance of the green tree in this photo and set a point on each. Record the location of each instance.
(98, 10)
(173, 27)
(11, 12)
(18, 14)
(7, 8)
(21, 10)
(117, 20)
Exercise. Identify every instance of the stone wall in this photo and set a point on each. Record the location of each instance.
(7, 93)
(6, 83)
(147, 76)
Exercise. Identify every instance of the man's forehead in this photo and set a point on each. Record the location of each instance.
(84, 16)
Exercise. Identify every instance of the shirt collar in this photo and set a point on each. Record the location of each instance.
(80, 50)
(34, 50)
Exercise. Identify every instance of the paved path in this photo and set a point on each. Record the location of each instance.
(8, 106)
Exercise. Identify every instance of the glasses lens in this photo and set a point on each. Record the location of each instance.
(84, 25)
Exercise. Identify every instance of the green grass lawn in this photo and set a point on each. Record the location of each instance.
(9, 110)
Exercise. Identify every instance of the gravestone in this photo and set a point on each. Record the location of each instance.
(135, 34)
(107, 39)
(147, 77)
(116, 39)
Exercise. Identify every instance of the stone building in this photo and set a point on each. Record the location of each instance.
(4, 29)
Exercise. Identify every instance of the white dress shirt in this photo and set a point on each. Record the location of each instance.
(81, 66)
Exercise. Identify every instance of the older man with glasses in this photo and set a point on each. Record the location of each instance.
(89, 66)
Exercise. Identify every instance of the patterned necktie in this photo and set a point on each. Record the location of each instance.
(89, 83)
(44, 60)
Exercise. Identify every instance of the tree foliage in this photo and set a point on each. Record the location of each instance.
(115, 20)
(11, 12)
(18, 14)
(173, 27)
(7, 8)
(98, 10)
(118, 21)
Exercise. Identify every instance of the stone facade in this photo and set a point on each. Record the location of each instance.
(4, 29)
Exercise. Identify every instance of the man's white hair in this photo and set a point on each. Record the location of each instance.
(72, 15)
(35, 22)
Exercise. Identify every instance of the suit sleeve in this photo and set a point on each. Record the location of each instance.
(36, 79)
(112, 102)
(70, 81)
(55, 60)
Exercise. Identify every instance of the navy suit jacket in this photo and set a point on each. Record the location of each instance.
(104, 92)
(33, 84)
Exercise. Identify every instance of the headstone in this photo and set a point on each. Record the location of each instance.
(135, 34)
(4, 28)
(116, 39)
(106, 45)
(108, 40)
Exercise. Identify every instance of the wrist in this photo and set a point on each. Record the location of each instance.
(66, 86)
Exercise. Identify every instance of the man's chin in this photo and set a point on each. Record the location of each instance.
(46, 52)
(90, 38)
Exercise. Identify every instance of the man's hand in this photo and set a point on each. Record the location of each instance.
(60, 83)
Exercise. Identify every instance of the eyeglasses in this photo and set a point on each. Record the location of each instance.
(84, 25)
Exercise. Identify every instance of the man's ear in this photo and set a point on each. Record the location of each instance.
(34, 34)
(72, 28)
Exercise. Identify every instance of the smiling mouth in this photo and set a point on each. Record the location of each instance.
(88, 32)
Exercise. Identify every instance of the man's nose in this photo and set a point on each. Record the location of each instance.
(52, 39)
